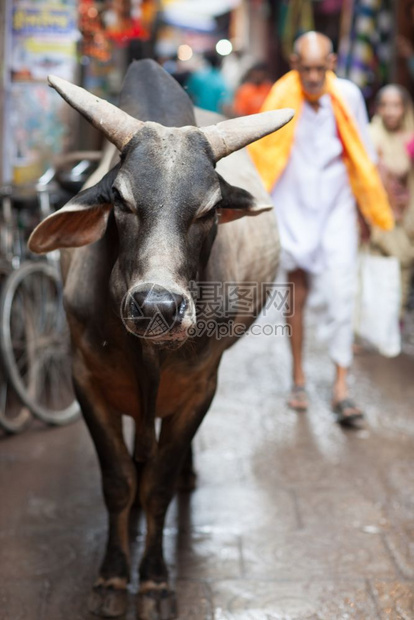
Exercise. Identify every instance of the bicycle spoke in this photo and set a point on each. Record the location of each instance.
(38, 350)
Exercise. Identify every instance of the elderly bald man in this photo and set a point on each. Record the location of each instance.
(316, 169)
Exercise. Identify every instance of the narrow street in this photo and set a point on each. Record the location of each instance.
(293, 517)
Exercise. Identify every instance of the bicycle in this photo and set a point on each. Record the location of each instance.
(34, 337)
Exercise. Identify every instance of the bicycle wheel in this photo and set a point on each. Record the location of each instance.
(14, 417)
(35, 342)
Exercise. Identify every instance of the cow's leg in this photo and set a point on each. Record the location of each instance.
(109, 594)
(188, 476)
(159, 482)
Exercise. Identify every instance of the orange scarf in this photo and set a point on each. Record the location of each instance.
(271, 154)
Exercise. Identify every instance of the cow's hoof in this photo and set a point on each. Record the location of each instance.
(107, 601)
(156, 602)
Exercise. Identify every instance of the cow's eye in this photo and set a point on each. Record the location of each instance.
(205, 217)
(119, 201)
(116, 195)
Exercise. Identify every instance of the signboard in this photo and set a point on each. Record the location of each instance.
(43, 20)
(43, 41)
(43, 37)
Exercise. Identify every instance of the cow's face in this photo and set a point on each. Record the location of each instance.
(166, 197)
(167, 200)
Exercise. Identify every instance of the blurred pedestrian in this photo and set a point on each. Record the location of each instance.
(315, 168)
(207, 87)
(250, 95)
(392, 132)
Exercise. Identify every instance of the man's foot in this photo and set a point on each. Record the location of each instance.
(298, 398)
(346, 412)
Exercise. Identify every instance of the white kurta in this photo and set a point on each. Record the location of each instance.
(316, 212)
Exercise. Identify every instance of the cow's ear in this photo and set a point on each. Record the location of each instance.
(237, 202)
(81, 221)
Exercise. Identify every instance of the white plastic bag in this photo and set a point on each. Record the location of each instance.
(378, 301)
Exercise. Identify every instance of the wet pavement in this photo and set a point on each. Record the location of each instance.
(293, 518)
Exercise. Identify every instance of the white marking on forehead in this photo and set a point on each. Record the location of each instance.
(162, 255)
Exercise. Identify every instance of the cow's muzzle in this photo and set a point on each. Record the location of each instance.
(152, 311)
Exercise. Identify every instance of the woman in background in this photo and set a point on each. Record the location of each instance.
(392, 132)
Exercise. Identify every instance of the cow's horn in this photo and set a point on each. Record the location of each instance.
(117, 125)
(232, 135)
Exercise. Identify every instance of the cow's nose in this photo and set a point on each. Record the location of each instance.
(158, 303)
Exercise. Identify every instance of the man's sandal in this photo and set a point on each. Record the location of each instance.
(346, 412)
(298, 398)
